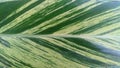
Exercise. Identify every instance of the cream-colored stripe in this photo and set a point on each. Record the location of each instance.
(54, 21)
(105, 60)
(20, 9)
(27, 14)
(87, 23)
(103, 43)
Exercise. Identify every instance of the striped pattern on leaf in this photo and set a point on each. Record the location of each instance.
(59, 34)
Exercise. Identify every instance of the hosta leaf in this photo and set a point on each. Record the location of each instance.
(59, 33)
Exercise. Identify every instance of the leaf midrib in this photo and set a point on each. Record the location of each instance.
(59, 35)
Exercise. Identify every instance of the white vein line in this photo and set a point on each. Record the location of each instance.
(52, 35)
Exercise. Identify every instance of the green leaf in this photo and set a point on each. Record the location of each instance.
(59, 34)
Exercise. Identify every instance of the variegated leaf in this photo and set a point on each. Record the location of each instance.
(59, 33)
